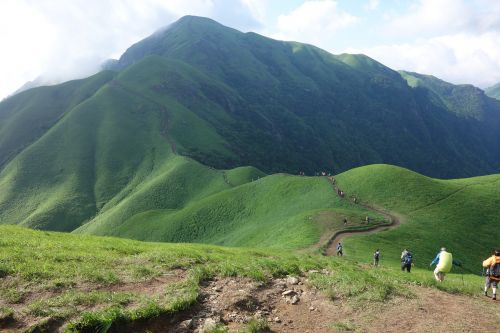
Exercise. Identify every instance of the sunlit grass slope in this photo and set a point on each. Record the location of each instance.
(81, 281)
(275, 211)
(28, 115)
(110, 165)
(461, 214)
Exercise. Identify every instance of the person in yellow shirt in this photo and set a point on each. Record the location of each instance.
(493, 264)
(444, 262)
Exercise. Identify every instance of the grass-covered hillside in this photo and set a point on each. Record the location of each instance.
(61, 282)
(458, 214)
(114, 171)
(231, 99)
(303, 109)
(493, 91)
(144, 152)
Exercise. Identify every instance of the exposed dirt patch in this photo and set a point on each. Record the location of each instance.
(431, 311)
(290, 305)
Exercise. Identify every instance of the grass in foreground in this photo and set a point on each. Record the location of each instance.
(91, 283)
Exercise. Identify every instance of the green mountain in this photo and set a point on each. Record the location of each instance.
(493, 91)
(153, 148)
(303, 109)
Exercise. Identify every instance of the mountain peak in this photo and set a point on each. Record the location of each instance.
(185, 31)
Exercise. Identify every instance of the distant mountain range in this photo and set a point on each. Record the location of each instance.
(130, 139)
(493, 91)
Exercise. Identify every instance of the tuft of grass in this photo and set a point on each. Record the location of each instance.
(255, 325)
(343, 326)
(6, 312)
(218, 328)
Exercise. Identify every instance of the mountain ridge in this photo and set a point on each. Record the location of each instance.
(163, 133)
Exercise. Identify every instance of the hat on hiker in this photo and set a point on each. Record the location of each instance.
(443, 249)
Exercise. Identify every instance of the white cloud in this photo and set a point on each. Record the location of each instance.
(372, 4)
(430, 18)
(458, 58)
(456, 40)
(313, 22)
(62, 40)
(257, 8)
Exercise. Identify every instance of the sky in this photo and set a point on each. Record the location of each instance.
(59, 40)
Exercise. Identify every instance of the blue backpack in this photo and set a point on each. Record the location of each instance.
(408, 259)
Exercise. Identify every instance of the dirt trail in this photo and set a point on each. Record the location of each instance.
(395, 221)
(291, 305)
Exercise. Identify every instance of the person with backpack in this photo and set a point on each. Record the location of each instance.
(405, 251)
(493, 263)
(376, 257)
(406, 261)
(487, 284)
(443, 261)
(339, 249)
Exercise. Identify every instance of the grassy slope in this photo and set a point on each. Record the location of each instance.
(109, 161)
(27, 116)
(493, 91)
(297, 108)
(82, 162)
(459, 214)
(108, 157)
(282, 211)
(275, 211)
(69, 278)
(465, 100)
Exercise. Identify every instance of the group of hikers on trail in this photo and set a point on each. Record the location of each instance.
(444, 262)
(443, 259)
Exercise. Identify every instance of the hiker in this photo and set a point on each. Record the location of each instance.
(405, 251)
(443, 261)
(367, 219)
(406, 261)
(493, 264)
(345, 221)
(355, 200)
(339, 249)
(376, 257)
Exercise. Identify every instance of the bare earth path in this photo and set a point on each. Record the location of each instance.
(337, 237)
(233, 301)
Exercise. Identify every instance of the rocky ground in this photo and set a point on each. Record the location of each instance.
(290, 305)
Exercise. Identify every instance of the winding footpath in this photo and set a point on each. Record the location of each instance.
(338, 236)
